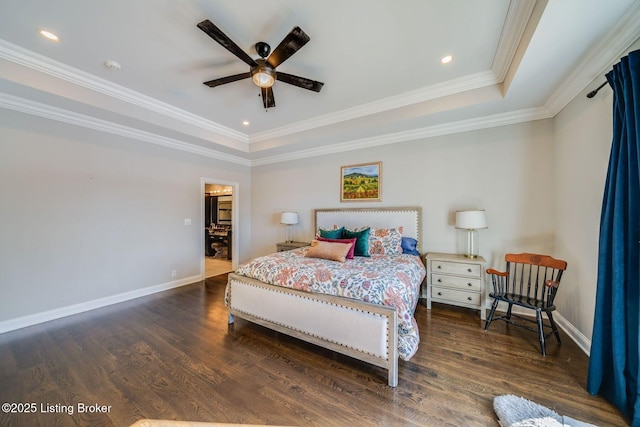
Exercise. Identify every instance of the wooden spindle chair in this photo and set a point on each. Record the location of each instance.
(531, 281)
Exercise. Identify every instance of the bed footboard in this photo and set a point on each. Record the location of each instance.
(365, 331)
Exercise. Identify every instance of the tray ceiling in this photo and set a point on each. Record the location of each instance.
(513, 61)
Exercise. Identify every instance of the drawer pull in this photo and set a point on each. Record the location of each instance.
(439, 266)
(469, 284)
(469, 270)
(469, 298)
(439, 280)
(440, 293)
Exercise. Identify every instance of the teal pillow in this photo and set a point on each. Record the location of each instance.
(362, 243)
(331, 234)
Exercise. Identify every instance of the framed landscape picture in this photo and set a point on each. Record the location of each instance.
(361, 183)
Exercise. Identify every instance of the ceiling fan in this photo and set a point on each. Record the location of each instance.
(263, 71)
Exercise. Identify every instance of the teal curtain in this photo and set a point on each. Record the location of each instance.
(615, 350)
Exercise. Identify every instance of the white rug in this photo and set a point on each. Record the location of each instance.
(514, 411)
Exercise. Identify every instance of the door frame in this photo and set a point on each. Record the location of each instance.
(234, 220)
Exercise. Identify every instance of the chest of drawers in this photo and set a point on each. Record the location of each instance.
(457, 280)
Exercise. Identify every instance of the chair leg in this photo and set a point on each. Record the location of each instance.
(508, 315)
(554, 327)
(541, 332)
(490, 317)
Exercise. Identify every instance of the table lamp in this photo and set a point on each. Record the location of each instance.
(289, 219)
(471, 220)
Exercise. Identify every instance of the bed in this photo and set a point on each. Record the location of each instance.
(368, 315)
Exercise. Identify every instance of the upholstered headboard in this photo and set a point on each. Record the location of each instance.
(409, 218)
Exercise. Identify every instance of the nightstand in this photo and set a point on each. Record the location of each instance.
(457, 280)
(287, 246)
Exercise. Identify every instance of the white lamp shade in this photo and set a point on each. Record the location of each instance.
(471, 220)
(289, 218)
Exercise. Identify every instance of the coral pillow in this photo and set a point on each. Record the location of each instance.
(352, 242)
(328, 250)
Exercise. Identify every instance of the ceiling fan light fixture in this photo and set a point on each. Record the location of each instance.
(263, 75)
(263, 79)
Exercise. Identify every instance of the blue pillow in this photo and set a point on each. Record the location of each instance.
(361, 247)
(331, 234)
(410, 246)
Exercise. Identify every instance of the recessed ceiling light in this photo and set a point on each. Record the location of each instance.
(49, 35)
(246, 122)
(446, 59)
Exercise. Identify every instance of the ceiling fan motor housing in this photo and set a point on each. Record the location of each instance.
(263, 49)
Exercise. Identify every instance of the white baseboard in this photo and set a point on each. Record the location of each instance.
(578, 337)
(46, 316)
(33, 319)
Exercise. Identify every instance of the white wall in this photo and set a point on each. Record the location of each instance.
(508, 171)
(87, 215)
(583, 143)
(584, 129)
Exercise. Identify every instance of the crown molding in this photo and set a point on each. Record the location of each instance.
(58, 114)
(451, 87)
(518, 16)
(595, 63)
(515, 24)
(592, 65)
(43, 64)
(496, 120)
(48, 66)
(598, 60)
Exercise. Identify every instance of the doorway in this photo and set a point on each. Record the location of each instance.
(218, 235)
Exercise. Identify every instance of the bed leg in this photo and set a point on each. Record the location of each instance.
(231, 319)
(393, 376)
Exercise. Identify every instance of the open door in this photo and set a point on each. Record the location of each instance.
(218, 227)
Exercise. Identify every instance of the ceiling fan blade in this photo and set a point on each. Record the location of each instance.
(300, 82)
(217, 34)
(288, 46)
(228, 79)
(267, 97)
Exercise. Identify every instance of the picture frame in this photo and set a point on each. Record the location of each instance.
(361, 182)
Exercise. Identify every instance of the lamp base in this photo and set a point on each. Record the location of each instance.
(289, 239)
(472, 244)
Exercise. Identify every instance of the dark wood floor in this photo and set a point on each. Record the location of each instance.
(173, 356)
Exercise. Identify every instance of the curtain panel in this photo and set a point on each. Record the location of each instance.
(615, 350)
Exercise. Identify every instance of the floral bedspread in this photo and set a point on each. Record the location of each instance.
(391, 280)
